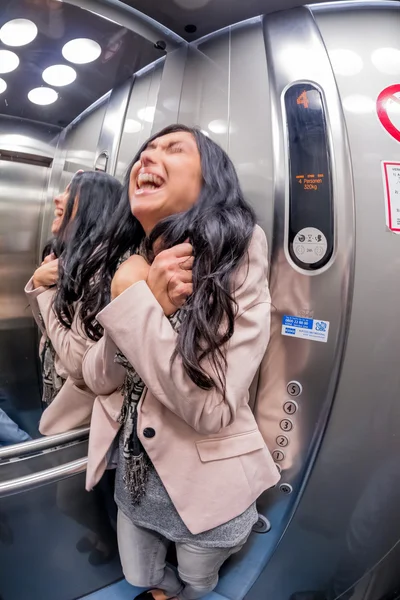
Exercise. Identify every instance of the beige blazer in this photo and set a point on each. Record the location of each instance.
(207, 449)
(72, 407)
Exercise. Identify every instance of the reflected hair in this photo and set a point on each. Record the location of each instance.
(219, 226)
(92, 200)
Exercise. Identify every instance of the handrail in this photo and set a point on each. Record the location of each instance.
(29, 482)
(17, 450)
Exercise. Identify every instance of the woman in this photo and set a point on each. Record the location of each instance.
(191, 461)
(55, 294)
(82, 212)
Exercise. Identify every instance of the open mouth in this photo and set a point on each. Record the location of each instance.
(148, 182)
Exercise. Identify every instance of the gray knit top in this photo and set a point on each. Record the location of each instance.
(156, 511)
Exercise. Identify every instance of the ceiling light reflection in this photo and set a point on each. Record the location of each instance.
(3, 86)
(218, 126)
(42, 96)
(18, 32)
(345, 62)
(359, 104)
(147, 114)
(132, 126)
(81, 51)
(387, 60)
(59, 75)
(9, 61)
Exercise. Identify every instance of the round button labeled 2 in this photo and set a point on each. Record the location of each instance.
(282, 441)
(294, 388)
(290, 407)
(278, 455)
(286, 425)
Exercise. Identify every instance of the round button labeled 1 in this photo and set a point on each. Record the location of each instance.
(290, 407)
(278, 455)
(294, 388)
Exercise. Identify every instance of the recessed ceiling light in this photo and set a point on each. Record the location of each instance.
(81, 51)
(18, 32)
(43, 96)
(59, 75)
(8, 61)
(3, 86)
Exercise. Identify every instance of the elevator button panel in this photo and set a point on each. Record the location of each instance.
(310, 214)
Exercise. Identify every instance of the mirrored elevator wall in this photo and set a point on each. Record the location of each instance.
(26, 155)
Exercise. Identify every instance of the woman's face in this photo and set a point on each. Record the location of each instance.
(166, 180)
(60, 203)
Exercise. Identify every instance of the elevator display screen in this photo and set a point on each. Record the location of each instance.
(310, 201)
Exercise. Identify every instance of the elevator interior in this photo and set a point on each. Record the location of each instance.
(292, 96)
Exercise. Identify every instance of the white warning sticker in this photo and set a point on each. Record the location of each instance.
(306, 329)
(391, 184)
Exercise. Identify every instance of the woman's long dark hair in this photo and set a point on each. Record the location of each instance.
(93, 198)
(219, 226)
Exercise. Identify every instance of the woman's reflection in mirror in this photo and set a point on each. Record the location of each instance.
(82, 211)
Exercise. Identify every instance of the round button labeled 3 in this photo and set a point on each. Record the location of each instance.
(290, 407)
(278, 455)
(294, 388)
(286, 488)
(286, 425)
(282, 441)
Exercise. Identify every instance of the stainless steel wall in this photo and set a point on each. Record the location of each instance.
(347, 523)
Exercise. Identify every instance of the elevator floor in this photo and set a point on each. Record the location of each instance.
(123, 591)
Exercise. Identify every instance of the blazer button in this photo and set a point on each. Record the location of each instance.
(149, 432)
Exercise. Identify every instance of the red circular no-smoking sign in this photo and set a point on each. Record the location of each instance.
(385, 99)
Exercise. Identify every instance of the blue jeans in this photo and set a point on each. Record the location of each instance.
(10, 433)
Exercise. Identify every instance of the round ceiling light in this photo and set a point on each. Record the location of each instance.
(9, 61)
(59, 75)
(3, 86)
(18, 32)
(81, 51)
(43, 96)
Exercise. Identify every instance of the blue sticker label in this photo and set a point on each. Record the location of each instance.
(306, 329)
